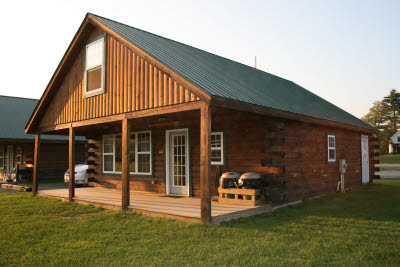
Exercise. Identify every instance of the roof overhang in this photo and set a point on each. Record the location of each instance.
(238, 105)
(31, 128)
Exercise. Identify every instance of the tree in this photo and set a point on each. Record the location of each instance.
(377, 115)
(385, 116)
(391, 105)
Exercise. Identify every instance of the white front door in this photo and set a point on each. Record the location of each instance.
(10, 158)
(364, 159)
(177, 161)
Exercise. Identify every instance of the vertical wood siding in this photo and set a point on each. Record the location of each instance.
(131, 84)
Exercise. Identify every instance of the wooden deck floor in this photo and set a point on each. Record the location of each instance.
(181, 208)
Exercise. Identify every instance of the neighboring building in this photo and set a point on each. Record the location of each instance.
(16, 147)
(394, 144)
(115, 79)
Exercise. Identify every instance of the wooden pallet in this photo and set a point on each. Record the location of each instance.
(244, 197)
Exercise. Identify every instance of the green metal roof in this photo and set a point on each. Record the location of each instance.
(14, 113)
(218, 76)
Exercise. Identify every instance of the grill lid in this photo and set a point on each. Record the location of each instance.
(250, 175)
(230, 175)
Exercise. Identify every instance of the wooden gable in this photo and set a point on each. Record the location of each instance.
(132, 84)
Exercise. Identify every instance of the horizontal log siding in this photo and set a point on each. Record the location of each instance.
(307, 170)
(131, 84)
(293, 152)
(53, 157)
(244, 148)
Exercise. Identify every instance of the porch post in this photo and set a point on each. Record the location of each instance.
(71, 186)
(35, 165)
(205, 163)
(125, 163)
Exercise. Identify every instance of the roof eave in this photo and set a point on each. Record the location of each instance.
(243, 106)
(28, 126)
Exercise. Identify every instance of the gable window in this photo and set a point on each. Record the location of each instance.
(217, 148)
(331, 148)
(1, 157)
(19, 155)
(139, 152)
(398, 139)
(95, 67)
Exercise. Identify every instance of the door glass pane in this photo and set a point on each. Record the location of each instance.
(179, 160)
(118, 153)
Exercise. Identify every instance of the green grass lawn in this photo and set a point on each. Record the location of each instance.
(390, 159)
(361, 227)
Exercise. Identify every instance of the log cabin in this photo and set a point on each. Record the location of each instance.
(17, 148)
(162, 116)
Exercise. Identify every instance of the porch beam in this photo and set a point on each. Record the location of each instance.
(205, 163)
(71, 184)
(125, 163)
(130, 115)
(36, 164)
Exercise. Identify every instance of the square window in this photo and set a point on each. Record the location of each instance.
(108, 163)
(94, 67)
(1, 157)
(217, 148)
(139, 152)
(331, 148)
(19, 155)
(94, 79)
(118, 153)
(108, 144)
(144, 163)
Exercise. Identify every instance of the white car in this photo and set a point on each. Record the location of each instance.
(80, 174)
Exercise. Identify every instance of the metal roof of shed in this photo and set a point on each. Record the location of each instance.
(222, 77)
(14, 113)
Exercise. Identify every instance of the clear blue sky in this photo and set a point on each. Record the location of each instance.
(346, 51)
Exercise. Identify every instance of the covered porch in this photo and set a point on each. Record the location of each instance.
(152, 204)
(150, 194)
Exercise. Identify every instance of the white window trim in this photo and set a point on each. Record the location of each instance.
(2, 158)
(136, 154)
(100, 90)
(331, 148)
(168, 159)
(19, 154)
(222, 162)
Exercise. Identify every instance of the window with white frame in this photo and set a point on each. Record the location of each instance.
(19, 155)
(139, 152)
(331, 148)
(217, 148)
(1, 157)
(95, 67)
